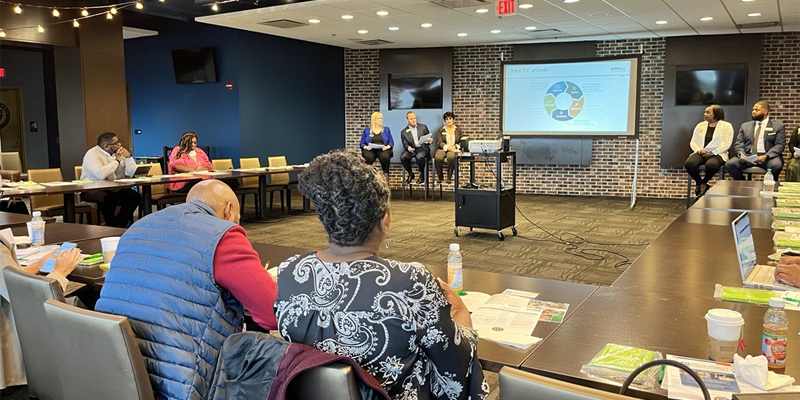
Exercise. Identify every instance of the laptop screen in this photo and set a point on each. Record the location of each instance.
(745, 247)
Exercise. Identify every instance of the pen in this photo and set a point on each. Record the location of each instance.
(661, 373)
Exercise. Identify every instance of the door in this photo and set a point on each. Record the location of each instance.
(12, 128)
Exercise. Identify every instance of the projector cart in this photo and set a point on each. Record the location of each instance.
(486, 208)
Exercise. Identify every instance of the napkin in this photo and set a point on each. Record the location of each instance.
(753, 370)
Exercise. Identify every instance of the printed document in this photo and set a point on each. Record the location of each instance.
(423, 139)
(713, 144)
(718, 377)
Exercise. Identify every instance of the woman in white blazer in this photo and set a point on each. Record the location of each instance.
(711, 140)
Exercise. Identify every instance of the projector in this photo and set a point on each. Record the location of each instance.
(485, 146)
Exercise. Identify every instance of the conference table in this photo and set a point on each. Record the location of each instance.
(10, 220)
(66, 189)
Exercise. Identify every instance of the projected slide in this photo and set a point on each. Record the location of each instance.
(571, 98)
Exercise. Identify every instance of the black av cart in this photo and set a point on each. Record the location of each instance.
(490, 207)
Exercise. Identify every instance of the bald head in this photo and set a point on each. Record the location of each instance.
(218, 196)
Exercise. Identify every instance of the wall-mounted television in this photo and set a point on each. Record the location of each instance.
(415, 93)
(710, 86)
(195, 65)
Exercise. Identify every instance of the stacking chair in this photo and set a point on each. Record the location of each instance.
(10, 161)
(97, 355)
(689, 183)
(54, 205)
(754, 170)
(28, 294)
(243, 190)
(426, 181)
(516, 384)
(159, 195)
(281, 179)
(253, 182)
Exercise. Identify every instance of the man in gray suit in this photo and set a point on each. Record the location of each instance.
(763, 138)
(410, 135)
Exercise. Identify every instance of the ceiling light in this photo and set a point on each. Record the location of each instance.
(525, 6)
(748, 1)
(40, 29)
(662, 22)
(2, 33)
(706, 19)
(495, 31)
(382, 13)
(394, 28)
(139, 5)
(313, 21)
(598, 15)
(108, 15)
(17, 9)
(754, 15)
(215, 7)
(482, 10)
(161, 1)
(56, 13)
(75, 23)
(426, 25)
(571, 1)
(363, 31)
(113, 10)
(462, 34)
(530, 28)
(85, 12)
(347, 16)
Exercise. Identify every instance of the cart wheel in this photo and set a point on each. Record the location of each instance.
(514, 230)
(470, 229)
(501, 236)
(455, 231)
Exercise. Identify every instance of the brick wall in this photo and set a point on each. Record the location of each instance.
(476, 103)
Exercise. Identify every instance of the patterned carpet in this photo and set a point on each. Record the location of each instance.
(421, 231)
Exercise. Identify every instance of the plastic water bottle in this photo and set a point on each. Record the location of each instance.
(455, 277)
(769, 183)
(776, 331)
(37, 229)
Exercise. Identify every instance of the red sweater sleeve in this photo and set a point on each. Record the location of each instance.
(238, 269)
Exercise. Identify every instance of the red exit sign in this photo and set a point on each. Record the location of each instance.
(505, 7)
(2, 72)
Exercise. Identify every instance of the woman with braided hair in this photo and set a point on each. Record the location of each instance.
(407, 328)
(187, 157)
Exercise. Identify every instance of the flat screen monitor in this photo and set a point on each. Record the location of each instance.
(415, 93)
(596, 97)
(195, 65)
(710, 86)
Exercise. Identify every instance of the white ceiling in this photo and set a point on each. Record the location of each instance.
(582, 20)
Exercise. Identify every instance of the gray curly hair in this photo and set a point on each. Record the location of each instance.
(350, 196)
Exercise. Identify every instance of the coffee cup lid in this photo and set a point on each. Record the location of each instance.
(724, 316)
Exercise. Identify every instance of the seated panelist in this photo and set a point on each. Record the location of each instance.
(408, 329)
(762, 140)
(187, 157)
(447, 146)
(377, 142)
(793, 165)
(711, 140)
(410, 136)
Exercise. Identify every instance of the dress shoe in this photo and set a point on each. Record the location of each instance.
(449, 180)
(410, 177)
(421, 179)
(698, 190)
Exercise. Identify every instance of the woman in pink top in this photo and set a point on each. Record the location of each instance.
(187, 157)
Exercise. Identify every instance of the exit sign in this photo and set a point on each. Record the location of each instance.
(2, 72)
(505, 7)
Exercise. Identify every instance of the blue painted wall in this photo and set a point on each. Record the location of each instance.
(284, 92)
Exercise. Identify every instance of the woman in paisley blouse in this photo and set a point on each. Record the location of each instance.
(402, 324)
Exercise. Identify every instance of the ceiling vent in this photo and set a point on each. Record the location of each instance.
(374, 42)
(758, 25)
(282, 23)
(461, 3)
(544, 32)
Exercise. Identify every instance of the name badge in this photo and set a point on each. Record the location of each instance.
(767, 129)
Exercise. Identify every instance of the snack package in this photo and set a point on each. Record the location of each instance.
(615, 362)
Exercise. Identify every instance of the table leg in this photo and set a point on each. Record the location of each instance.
(262, 204)
(147, 199)
(69, 207)
(288, 200)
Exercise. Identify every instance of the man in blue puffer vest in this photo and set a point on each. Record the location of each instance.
(183, 276)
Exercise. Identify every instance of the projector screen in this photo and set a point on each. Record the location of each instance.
(595, 97)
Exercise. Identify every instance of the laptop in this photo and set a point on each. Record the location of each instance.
(142, 170)
(753, 275)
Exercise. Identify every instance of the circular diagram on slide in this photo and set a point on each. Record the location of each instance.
(563, 101)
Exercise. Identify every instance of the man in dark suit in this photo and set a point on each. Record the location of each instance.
(763, 138)
(410, 135)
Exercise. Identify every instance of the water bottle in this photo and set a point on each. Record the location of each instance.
(776, 331)
(37, 229)
(769, 183)
(455, 278)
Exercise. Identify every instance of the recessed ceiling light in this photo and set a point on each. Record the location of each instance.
(426, 25)
(347, 16)
(754, 15)
(462, 34)
(530, 28)
(571, 1)
(661, 22)
(525, 6)
(394, 28)
(495, 31)
(363, 31)
(748, 1)
(482, 10)
(313, 21)
(382, 13)
(706, 18)
(598, 15)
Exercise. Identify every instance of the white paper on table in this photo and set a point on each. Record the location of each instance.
(521, 293)
(510, 339)
(718, 377)
(503, 318)
(473, 300)
(210, 173)
(56, 183)
(510, 300)
(33, 253)
(713, 144)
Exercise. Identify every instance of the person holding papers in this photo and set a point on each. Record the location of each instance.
(187, 157)
(402, 324)
(793, 165)
(377, 143)
(109, 161)
(711, 140)
(416, 144)
(449, 144)
(760, 142)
